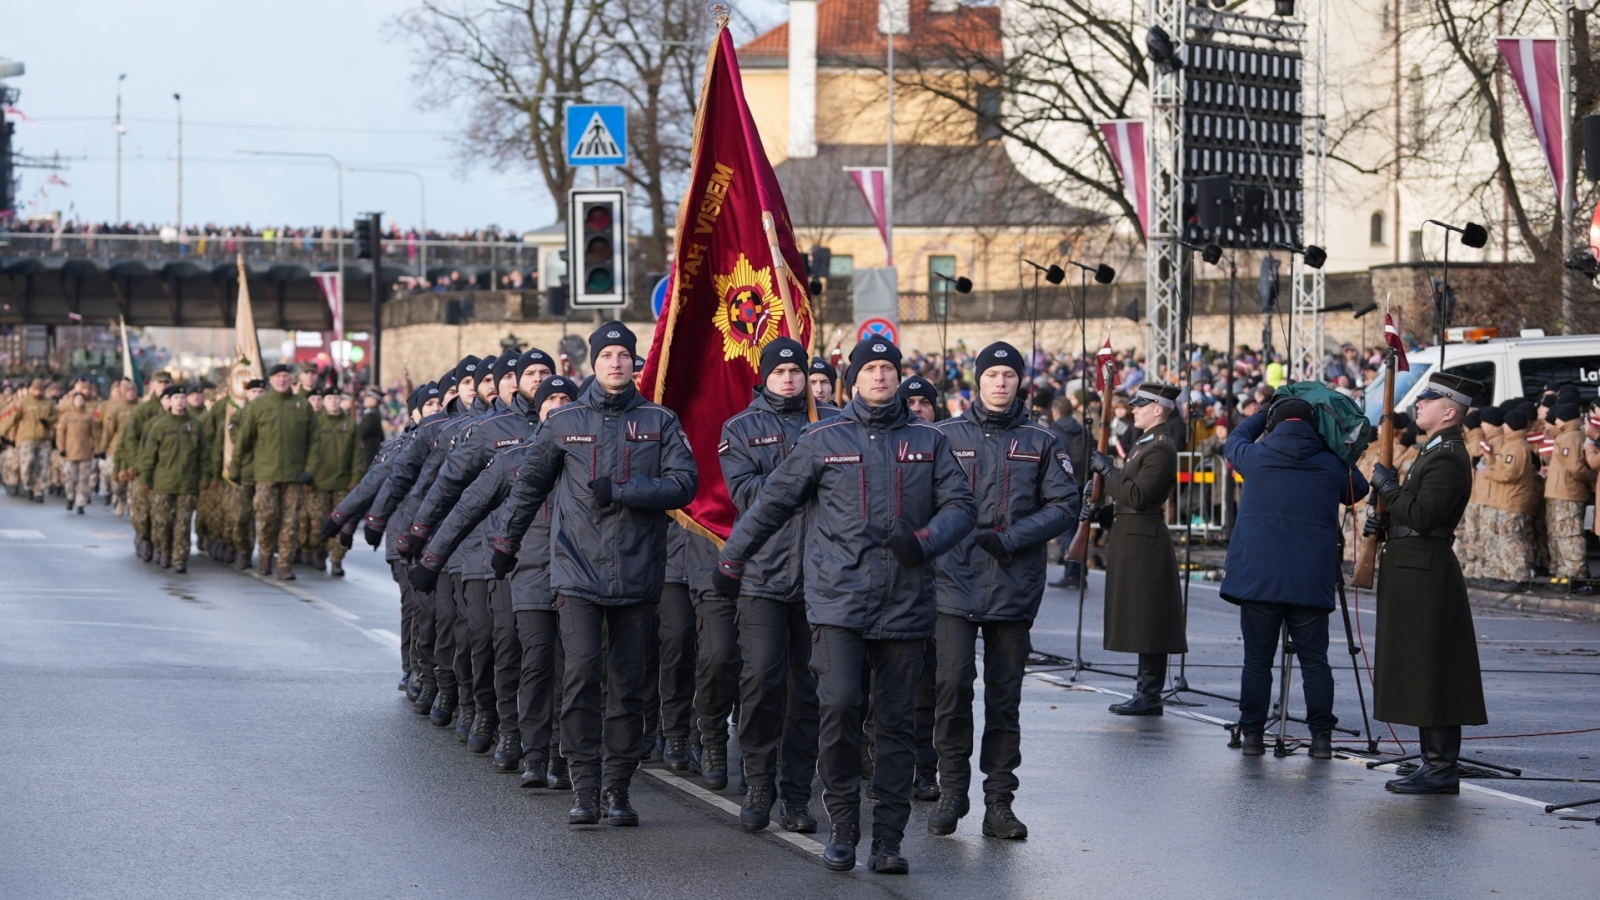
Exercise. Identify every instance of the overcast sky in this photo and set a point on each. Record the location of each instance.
(294, 75)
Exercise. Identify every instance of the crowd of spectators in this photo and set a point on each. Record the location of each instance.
(212, 231)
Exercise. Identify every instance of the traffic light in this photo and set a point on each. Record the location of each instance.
(368, 236)
(597, 245)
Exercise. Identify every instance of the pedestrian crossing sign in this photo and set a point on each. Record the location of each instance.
(597, 135)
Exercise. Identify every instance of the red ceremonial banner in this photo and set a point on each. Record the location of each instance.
(724, 302)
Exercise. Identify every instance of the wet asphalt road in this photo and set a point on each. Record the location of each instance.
(214, 735)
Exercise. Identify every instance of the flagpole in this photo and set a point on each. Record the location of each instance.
(780, 272)
(1568, 300)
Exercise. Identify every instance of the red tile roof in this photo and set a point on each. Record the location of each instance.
(848, 29)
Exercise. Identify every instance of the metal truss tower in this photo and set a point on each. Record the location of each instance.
(1310, 285)
(1165, 259)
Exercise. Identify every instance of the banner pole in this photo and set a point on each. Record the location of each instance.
(780, 271)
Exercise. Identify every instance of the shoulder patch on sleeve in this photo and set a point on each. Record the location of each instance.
(1066, 463)
(723, 448)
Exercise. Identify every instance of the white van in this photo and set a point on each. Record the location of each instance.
(1507, 367)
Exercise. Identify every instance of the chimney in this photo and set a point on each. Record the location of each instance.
(803, 78)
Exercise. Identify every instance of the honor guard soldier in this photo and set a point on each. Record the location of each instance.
(611, 465)
(821, 378)
(991, 584)
(922, 399)
(777, 690)
(1144, 607)
(1427, 671)
(886, 496)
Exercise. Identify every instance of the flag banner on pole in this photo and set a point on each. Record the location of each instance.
(1125, 138)
(1535, 65)
(1105, 367)
(330, 290)
(246, 361)
(723, 304)
(1391, 336)
(873, 182)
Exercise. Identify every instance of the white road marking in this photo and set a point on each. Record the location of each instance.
(810, 845)
(112, 625)
(21, 534)
(385, 635)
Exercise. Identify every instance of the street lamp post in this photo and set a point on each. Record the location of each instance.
(178, 98)
(422, 189)
(118, 130)
(338, 231)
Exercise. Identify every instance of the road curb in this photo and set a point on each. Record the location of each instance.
(1583, 607)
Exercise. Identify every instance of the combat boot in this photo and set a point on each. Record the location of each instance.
(465, 716)
(533, 772)
(676, 754)
(423, 704)
(163, 561)
(337, 571)
(619, 811)
(558, 780)
(508, 752)
(1437, 772)
(925, 787)
(444, 708)
(414, 688)
(795, 816)
(147, 551)
(180, 569)
(264, 565)
(999, 821)
(714, 766)
(951, 809)
(484, 726)
(1147, 700)
(285, 573)
(886, 858)
(585, 807)
(241, 561)
(757, 812)
(840, 854)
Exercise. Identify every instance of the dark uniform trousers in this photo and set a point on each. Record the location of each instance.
(507, 656)
(474, 614)
(409, 658)
(1005, 656)
(838, 659)
(444, 635)
(777, 697)
(590, 630)
(926, 753)
(676, 654)
(539, 636)
(1260, 624)
(716, 674)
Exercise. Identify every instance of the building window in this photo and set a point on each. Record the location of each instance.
(938, 288)
(1378, 229)
(1416, 246)
(989, 110)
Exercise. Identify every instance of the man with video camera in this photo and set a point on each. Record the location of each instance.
(1283, 559)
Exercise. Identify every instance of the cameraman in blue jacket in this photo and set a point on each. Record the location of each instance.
(1283, 559)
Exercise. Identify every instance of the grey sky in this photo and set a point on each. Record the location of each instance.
(306, 76)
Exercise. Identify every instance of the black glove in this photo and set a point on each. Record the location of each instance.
(306, 478)
(425, 574)
(992, 544)
(1385, 480)
(403, 545)
(1102, 463)
(602, 491)
(905, 545)
(333, 524)
(727, 577)
(347, 534)
(1377, 526)
(503, 558)
(372, 529)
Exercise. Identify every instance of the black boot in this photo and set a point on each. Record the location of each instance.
(444, 707)
(508, 752)
(533, 772)
(585, 807)
(147, 551)
(1147, 700)
(676, 754)
(619, 811)
(952, 806)
(484, 727)
(795, 816)
(424, 702)
(1436, 772)
(999, 821)
(1322, 745)
(1252, 743)
(757, 812)
(465, 716)
(840, 854)
(714, 766)
(414, 687)
(925, 787)
(558, 779)
(405, 680)
(886, 858)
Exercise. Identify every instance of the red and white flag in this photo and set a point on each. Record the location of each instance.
(1391, 336)
(1105, 368)
(874, 184)
(329, 282)
(1535, 65)
(1125, 138)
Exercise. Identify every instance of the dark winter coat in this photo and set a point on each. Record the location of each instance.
(1285, 543)
(754, 443)
(467, 457)
(482, 507)
(1022, 483)
(864, 471)
(613, 555)
(1426, 673)
(1144, 609)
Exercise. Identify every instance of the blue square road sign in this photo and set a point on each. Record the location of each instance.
(597, 135)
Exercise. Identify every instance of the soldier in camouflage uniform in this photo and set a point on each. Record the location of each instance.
(114, 415)
(238, 513)
(336, 463)
(169, 467)
(1481, 429)
(1567, 490)
(275, 431)
(128, 461)
(1512, 472)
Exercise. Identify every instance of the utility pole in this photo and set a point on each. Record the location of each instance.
(118, 130)
(375, 229)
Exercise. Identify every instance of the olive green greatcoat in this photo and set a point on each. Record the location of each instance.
(336, 462)
(275, 432)
(1427, 652)
(170, 455)
(1144, 607)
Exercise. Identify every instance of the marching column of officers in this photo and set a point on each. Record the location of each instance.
(555, 613)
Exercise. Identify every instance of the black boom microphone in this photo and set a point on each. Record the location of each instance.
(1052, 273)
(1472, 234)
(1103, 274)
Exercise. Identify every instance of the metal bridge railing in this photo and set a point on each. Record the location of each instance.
(306, 250)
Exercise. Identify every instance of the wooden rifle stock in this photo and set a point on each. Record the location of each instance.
(1079, 549)
(1367, 557)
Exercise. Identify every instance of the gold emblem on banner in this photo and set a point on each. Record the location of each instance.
(748, 313)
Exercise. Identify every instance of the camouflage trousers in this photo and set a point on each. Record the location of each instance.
(1506, 553)
(310, 528)
(208, 513)
(1470, 537)
(34, 473)
(320, 505)
(139, 502)
(238, 517)
(10, 467)
(278, 519)
(169, 525)
(116, 488)
(58, 469)
(1564, 525)
(80, 480)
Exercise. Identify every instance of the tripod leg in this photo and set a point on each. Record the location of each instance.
(1285, 671)
(1355, 667)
